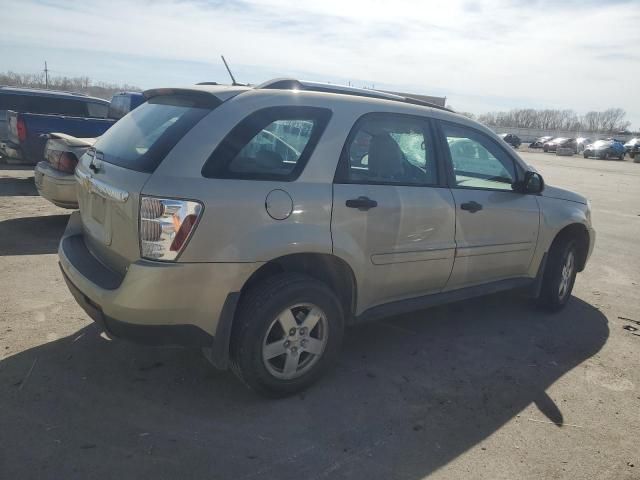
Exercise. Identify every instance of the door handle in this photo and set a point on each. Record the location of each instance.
(361, 203)
(471, 207)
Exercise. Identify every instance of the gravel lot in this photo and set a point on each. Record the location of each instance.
(484, 389)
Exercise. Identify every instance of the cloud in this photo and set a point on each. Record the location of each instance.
(555, 54)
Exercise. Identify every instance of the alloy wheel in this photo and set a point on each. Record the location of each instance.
(566, 275)
(295, 341)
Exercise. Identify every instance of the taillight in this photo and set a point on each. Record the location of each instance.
(62, 161)
(67, 162)
(165, 226)
(22, 129)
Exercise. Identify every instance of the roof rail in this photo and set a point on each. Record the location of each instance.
(294, 84)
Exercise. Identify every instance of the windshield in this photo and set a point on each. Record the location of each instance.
(602, 143)
(140, 140)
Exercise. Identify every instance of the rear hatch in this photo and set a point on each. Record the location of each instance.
(112, 173)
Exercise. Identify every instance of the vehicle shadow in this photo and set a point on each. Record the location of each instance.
(18, 187)
(409, 395)
(31, 235)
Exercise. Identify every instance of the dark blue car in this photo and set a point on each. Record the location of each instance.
(605, 149)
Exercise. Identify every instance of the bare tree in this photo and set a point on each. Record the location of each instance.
(610, 120)
(71, 84)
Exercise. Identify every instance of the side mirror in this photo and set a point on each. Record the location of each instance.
(532, 183)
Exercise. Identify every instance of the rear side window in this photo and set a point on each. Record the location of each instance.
(271, 144)
(57, 106)
(97, 110)
(141, 140)
(53, 105)
(17, 103)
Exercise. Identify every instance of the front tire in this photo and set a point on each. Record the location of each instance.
(289, 331)
(559, 275)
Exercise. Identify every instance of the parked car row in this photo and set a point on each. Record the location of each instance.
(603, 149)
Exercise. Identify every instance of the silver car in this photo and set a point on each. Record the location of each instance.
(257, 223)
(53, 176)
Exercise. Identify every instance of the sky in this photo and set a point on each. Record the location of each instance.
(483, 56)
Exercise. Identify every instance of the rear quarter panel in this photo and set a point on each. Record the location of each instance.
(235, 225)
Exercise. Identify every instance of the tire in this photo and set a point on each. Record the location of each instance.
(262, 320)
(603, 156)
(559, 275)
(585, 155)
(621, 157)
(546, 149)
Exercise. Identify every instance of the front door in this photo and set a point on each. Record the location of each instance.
(392, 220)
(496, 227)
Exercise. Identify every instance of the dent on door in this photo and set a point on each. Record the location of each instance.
(401, 248)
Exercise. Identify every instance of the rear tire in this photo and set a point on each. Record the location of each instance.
(559, 275)
(289, 331)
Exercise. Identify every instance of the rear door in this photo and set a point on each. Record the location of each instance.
(112, 173)
(392, 219)
(496, 227)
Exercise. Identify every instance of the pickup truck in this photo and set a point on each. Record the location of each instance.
(53, 176)
(26, 132)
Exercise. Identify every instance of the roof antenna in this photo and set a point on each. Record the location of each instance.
(233, 80)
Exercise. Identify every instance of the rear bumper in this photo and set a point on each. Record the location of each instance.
(187, 304)
(57, 187)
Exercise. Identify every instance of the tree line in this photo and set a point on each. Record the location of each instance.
(611, 120)
(70, 84)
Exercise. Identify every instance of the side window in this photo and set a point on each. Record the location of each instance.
(13, 102)
(97, 110)
(478, 162)
(388, 149)
(56, 106)
(274, 143)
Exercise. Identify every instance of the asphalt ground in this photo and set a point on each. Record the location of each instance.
(490, 388)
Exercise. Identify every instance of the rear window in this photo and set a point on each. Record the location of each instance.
(141, 140)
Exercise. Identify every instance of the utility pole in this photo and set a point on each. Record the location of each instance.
(46, 75)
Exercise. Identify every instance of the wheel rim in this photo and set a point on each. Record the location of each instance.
(295, 341)
(566, 274)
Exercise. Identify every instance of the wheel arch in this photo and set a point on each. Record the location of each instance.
(329, 269)
(579, 233)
